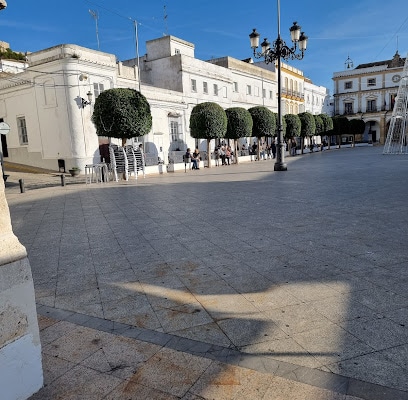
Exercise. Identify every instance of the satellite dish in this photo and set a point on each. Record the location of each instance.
(4, 128)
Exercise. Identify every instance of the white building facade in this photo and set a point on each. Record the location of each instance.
(368, 92)
(317, 99)
(51, 128)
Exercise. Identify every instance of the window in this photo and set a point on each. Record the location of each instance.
(263, 93)
(371, 105)
(348, 85)
(205, 87)
(236, 87)
(215, 89)
(176, 51)
(393, 97)
(98, 89)
(270, 94)
(371, 82)
(193, 85)
(22, 130)
(249, 89)
(256, 91)
(176, 138)
(348, 108)
(224, 92)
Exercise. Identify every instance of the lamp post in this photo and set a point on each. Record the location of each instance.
(270, 54)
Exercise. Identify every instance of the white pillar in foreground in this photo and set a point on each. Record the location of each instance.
(20, 348)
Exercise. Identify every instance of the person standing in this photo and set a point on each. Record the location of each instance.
(222, 154)
(227, 155)
(217, 156)
(196, 157)
(188, 156)
(273, 148)
(293, 147)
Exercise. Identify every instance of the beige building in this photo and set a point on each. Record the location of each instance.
(368, 92)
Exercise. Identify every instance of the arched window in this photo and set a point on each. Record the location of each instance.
(49, 92)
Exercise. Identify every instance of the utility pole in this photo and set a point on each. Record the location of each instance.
(95, 16)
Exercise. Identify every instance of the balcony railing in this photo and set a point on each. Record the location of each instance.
(293, 93)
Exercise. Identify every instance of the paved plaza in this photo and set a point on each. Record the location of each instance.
(234, 282)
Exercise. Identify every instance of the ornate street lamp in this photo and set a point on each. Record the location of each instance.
(270, 54)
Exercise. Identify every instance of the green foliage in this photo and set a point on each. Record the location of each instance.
(319, 124)
(357, 126)
(293, 125)
(122, 113)
(9, 54)
(341, 125)
(239, 123)
(327, 123)
(308, 125)
(208, 121)
(264, 122)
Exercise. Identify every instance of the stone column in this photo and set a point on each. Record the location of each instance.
(20, 348)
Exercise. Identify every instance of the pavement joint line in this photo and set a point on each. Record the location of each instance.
(264, 364)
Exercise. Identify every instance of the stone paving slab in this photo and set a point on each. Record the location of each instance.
(302, 271)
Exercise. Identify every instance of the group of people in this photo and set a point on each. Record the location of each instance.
(266, 150)
(194, 157)
(224, 153)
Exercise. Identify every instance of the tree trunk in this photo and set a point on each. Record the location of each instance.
(236, 151)
(209, 153)
(258, 149)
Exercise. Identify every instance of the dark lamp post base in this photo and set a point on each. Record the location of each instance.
(279, 166)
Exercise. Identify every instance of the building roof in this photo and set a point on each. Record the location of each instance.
(395, 62)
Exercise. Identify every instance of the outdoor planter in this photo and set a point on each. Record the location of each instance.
(74, 171)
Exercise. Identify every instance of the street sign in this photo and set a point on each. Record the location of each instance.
(4, 128)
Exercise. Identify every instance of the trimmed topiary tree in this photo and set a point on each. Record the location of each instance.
(293, 126)
(239, 125)
(264, 123)
(307, 126)
(341, 126)
(327, 126)
(122, 113)
(319, 125)
(357, 127)
(208, 121)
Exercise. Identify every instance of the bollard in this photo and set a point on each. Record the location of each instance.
(62, 180)
(21, 182)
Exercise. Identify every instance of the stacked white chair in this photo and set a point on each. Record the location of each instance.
(119, 162)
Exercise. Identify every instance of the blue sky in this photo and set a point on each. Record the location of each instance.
(365, 30)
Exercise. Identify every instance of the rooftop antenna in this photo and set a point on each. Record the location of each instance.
(95, 16)
(165, 20)
(348, 63)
